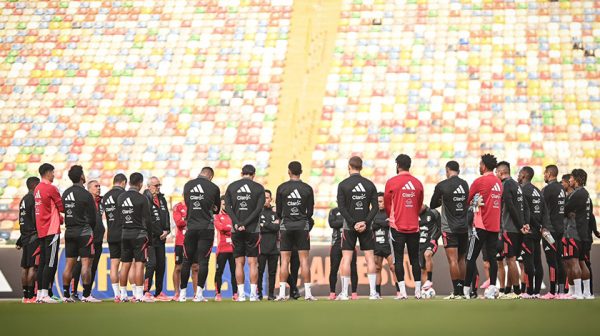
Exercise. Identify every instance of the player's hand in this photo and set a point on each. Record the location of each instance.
(597, 234)
(241, 228)
(18, 247)
(525, 229)
(164, 235)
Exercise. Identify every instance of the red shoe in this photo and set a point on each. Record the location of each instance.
(175, 297)
(218, 298)
(235, 297)
(485, 285)
(117, 299)
(354, 296)
(332, 296)
(162, 297)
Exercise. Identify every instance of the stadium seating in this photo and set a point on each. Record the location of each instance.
(451, 80)
(156, 86)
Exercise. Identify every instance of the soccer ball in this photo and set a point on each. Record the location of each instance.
(428, 293)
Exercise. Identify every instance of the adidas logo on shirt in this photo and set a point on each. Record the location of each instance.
(198, 189)
(359, 188)
(70, 197)
(127, 203)
(22, 205)
(110, 201)
(460, 190)
(535, 193)
(409, 186)
(519, 192)
(294, 194)
(562, 194)
(496, 187)
(38, 195)
(244, 189)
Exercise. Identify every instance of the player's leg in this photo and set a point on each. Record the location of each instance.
(348, 243)
(114, 249)
(585, 271)
(292, 279)
(398, 240)
(67, 277)
(76, 277)
(284, 270)
(335, 259)
(95, 260)
(550, 252)
(195, 270)
(367, 245)
(161, 259)
(378, 269)
(140, 255)
(177, 270)
(528, 272)
(455, 274)
(429, 266)
(539, 271)
(412, 245)
(51, 245)
(205, 244)
(190, 247)
(252, 251)
(234, 285)
(272, 266)
(262, 265)
(150, 268)
(305, 271)
(86, 276)
(390, 262)
(475, 245)
(43, 257)
(221, 262)
(353, 276)
(239, 252)
(560, 264)
(126, 266)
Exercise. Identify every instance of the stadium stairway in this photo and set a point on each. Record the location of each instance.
(309, 57)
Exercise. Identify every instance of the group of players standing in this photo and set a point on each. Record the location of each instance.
(497, 215)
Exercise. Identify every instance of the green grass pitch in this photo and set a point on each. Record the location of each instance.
(362, 317)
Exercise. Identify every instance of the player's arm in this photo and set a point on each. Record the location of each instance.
(436, 198)
(260, 202)
(186, 195)
(147, 214)
(55, 197)
(574, 202)
(374, 205)
(342, 206)
(550, 197)
(167, 224)
(387, 198)
(310, 209)
(437, 225)
(473, 190)
(30, 209)
(592, 222)
(279, 203)
(333, 223)
(229, 207)
(217, 201)
(91, 209)
(508, 197)
(271, 225)
(179, 219)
